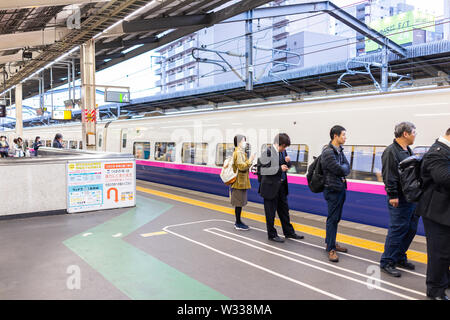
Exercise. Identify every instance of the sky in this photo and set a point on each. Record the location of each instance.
(432, 6)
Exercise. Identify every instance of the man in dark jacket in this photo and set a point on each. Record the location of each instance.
(273, 187)
(57, 142)
(403, 222)
(434, 207)
(335, 167)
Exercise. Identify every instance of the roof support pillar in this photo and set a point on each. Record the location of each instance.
(88, 103)
(249, 51)
(384, 69)
(19, 117)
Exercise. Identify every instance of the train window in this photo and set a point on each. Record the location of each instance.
(48, 143)
(225, 150)
(420, 151)
(165, 151)
(100, 140)
(65, 144)
(299, 157)
(141, 150)
(80, 145)
(195, 153)
(365, 162)
(73, 144)
(377, 162)
(124, 140)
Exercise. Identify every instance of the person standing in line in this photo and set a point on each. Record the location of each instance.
(434, 208)
(403, 222)
(239, 188)
(57, 142)
(17, 148)
(4, 147)
(37, 143)
(335, 168)
(22, 147)
(273, 187)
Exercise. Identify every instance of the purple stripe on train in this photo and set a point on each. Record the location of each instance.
(366, 203)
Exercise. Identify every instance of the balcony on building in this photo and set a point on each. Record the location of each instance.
(279, 43)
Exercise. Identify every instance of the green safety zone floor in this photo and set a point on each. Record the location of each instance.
(131, 270)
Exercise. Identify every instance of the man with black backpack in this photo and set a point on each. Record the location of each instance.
(403, 222)
(434, 207)
(335, 168)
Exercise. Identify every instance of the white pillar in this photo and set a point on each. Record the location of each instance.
(19, 119)
(87, 62)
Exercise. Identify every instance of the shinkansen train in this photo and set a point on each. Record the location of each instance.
(187, 150)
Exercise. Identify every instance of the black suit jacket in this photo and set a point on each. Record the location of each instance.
(434, 204)
(271, 173)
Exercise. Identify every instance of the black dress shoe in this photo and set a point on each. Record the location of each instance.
(295, 236)
(390, 270)
(443, 297)
(277, 239)
(406, 265)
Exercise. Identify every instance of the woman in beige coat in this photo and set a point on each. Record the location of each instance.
(239, 188)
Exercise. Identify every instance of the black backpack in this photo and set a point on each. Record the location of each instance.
(316, 180)
(410, 179)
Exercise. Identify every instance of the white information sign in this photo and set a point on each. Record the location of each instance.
(97, 185)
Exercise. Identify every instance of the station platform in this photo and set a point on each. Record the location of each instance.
(181, 245)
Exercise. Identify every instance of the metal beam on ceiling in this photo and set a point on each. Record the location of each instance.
(19, 4)
(200, 20)
(125, 43)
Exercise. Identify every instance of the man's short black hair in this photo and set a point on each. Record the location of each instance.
(448, 132)
(282, 139)
(336, 130)
(58, 136)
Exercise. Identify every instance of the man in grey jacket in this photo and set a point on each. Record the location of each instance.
(335, 168)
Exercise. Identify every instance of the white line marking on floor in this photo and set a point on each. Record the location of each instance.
(320, 262)
(256, 266)
(304, 242)
(342, 253)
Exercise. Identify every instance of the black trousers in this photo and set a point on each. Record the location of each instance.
(438, 251)
(280, 205)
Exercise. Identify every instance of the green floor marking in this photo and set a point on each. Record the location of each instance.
(131, 270)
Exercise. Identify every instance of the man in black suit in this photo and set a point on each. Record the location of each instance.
(434, 207)
(273, 187)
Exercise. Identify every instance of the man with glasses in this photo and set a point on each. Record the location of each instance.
(403, 222)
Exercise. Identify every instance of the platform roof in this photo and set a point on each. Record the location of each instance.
(18, 20)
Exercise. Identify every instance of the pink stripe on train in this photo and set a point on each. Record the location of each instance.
(352, 186)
